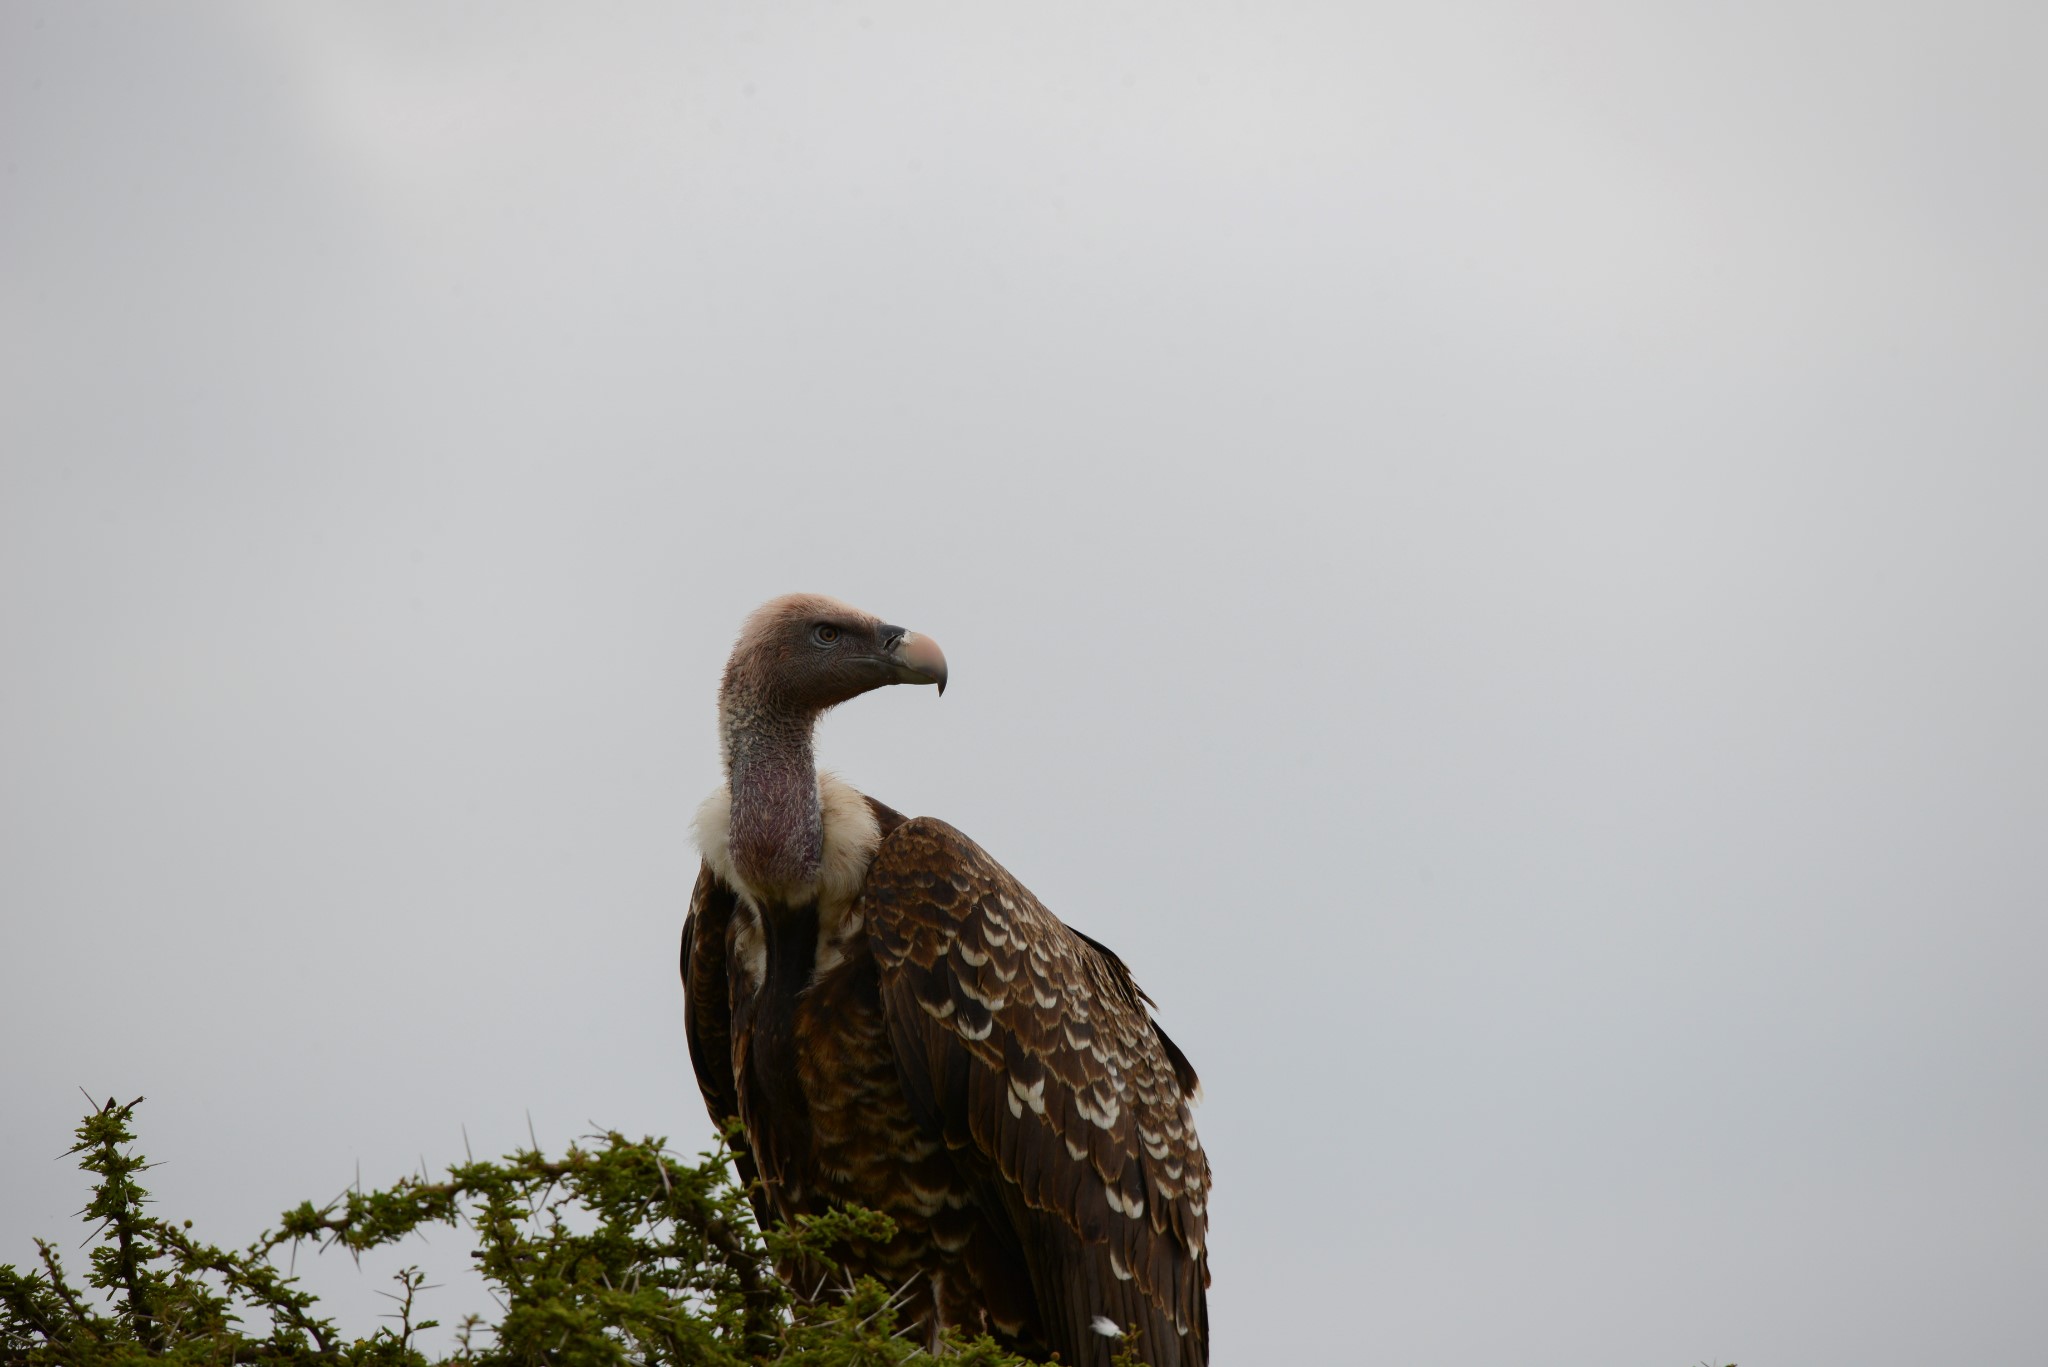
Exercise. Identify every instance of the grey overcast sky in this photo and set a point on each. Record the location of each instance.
(1495, 551)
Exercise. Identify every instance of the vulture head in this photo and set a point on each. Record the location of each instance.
(804, 652)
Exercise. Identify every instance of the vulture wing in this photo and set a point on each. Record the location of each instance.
(1030, 1049)
(707, 1008)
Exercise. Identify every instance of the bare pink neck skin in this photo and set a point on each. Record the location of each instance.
(778, 830)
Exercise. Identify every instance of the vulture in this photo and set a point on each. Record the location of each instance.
(896, 1022)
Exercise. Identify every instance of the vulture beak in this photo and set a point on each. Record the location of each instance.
(918, 660)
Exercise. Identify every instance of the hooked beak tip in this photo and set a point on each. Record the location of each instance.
(921, 661)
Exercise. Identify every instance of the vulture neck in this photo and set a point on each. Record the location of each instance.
(778, 827)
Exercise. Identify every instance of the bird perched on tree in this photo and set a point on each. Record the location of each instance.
(898, 1023)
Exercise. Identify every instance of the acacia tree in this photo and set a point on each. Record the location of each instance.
(671, 1270)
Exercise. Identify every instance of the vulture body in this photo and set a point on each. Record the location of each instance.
(897, 1022)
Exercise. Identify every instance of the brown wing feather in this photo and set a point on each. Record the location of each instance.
(707, 1018)
(1029, 1048)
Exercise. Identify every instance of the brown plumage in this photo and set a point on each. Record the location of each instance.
(897, 1022)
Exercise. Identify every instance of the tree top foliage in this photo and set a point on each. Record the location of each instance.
(615, 1254)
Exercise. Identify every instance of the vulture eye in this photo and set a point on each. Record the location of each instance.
(824, 633)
